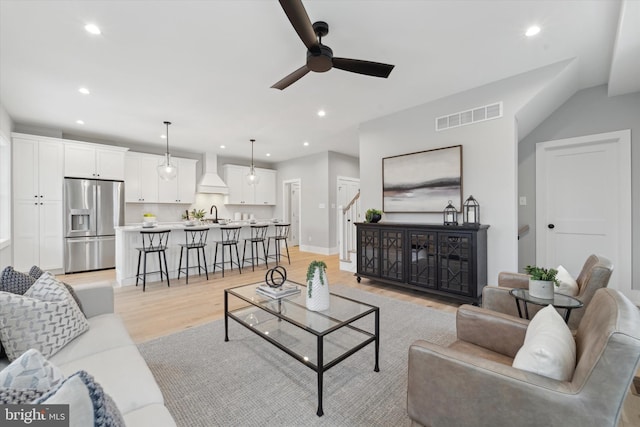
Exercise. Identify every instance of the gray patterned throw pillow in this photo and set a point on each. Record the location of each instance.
(36, 272)
(15, 281)
(11, 396)
(45, 318)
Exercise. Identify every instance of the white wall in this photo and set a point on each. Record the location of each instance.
(489, 156)
(6, 127)
(313, 171)
(590, 111)
(318, 174)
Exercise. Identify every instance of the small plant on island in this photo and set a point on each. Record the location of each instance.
(369, 216)
(539, 273)
(198, 214)
(310, 272)
(148, 215)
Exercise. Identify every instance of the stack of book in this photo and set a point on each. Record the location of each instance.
(280, 292)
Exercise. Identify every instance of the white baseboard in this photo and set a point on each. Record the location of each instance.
(348, 266)
(319, 250)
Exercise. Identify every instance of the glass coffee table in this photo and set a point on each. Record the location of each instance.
(318, 339)
(559, 301)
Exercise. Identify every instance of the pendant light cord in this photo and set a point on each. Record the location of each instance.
(252, 165)
(167, 123)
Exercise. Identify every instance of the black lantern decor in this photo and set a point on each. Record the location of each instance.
(471, 211)
(450, 214)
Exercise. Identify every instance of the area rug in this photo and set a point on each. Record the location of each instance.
(249, 382)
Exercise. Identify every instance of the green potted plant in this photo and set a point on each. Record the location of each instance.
(373, 215)
(317, 286)
(541, 281)
(148, 218)
(198, 214)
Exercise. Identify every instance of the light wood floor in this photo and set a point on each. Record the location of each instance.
(162, 310)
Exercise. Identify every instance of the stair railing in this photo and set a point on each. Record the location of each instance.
(347, 217)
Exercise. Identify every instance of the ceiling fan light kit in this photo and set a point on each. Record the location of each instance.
(167, 170)
(319, 56)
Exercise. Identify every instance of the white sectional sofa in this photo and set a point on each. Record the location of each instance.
(107, 352)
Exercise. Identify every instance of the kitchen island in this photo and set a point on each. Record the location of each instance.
(128, 238)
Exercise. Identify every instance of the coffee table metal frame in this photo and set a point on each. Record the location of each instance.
(266, 304)
(559, 301)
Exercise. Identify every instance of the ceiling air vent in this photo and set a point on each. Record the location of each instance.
(474, 115)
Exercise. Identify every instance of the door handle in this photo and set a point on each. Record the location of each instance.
(551, 226)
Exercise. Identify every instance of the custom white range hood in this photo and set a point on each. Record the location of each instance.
(210, 181)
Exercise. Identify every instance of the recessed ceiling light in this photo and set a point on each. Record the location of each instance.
(92, 29)
(84, 91)
(532, 31)
(322, 113)
(163, 136)
(223, 146)
(80, 122)
(268, 154)
(306, 144)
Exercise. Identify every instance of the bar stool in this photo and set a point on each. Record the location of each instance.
(195, 238)
(258, 235)
(153, 241)
(281, 234)
(230, 237)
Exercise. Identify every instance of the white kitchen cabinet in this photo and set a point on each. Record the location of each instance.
(182, 189)
(38, 165)
(187, 180)
(140, 179)
(85, 160)
(265, 192)
(241, 193)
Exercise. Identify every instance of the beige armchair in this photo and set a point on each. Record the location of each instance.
(594, 275)
(472, 382)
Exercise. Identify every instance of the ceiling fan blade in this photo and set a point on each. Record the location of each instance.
(300, 20)
(291, 78)
(369, 68)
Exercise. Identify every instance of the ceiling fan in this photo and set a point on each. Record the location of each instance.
(319, 56)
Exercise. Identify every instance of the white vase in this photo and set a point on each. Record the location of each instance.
(319, 290)
(541, 289)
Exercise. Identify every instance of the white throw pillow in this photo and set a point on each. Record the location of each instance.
(31, 371)
(549, 348)
(89, 404)
(45, 318)
(568, 284)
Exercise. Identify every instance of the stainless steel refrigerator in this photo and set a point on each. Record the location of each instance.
(92, 209)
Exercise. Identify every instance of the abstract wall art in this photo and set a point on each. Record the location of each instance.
(422, 182)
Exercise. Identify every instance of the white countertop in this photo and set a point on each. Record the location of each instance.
(181, 226)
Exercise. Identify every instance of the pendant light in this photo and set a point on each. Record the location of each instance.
(167, 170)
(252, 177)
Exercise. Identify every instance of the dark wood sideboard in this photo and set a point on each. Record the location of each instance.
(445, 260)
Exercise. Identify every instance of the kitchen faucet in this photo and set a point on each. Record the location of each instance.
(211, 212)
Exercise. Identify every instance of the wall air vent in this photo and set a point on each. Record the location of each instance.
(467, 117)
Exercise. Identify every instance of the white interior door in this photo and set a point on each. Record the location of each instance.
(294, 214)
(583, 204)
(291, 209)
